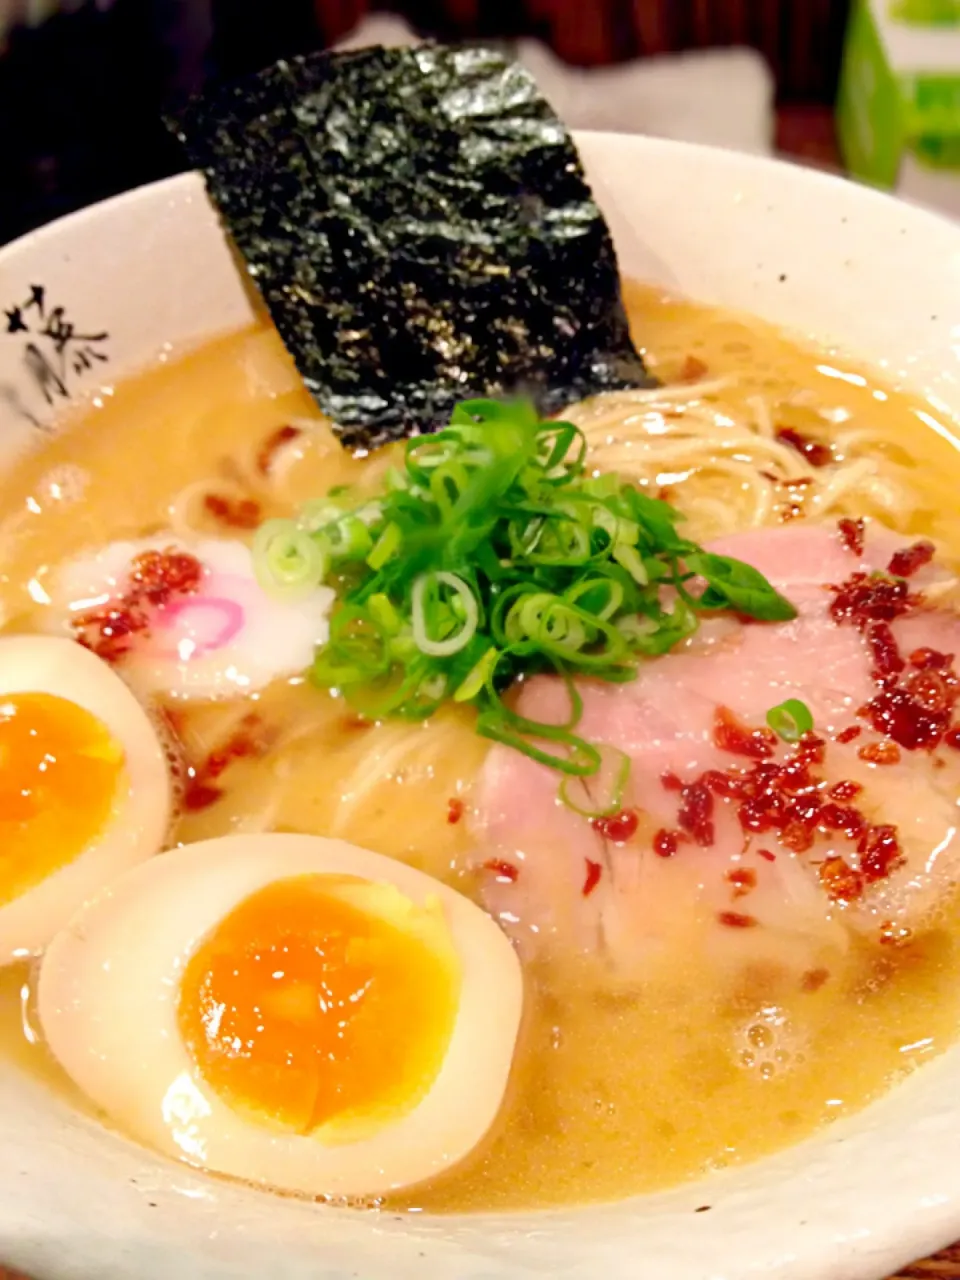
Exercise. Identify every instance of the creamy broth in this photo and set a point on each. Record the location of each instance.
(613, 1092)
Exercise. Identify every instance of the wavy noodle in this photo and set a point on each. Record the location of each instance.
(722, 464)
(712, 450)
(401, 754)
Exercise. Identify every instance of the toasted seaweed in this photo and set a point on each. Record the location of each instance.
(419, 225)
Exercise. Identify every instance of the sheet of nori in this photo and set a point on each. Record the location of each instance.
(421, 230)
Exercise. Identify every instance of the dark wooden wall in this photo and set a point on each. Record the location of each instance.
(80, 97)
(801, 39)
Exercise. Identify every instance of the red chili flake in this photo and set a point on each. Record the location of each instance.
(162, 574)
(247, 741)
(913, 710)
(934, 690)
(239, 513)
(952, 739)
(505, 871)
(880, 753)
(730, 735)
(352, 721)
(735, 920)
(743, 879)
(594, 871)
(670, 782)
(906, 562)
(619, 828)
(806, 807)
(814, 979)
(862, 599)
(729, 785)
(845, 790)
(897, 714)
(665, 843)
(848, 734)
(763, 812)
(793, 777)
(884, 650)
(816, 452)
(692, 369)
(275, 441)
(156, 578)
(791, 798)
(842, 882)
(852, 533)
(927, 659)
(894, 935)
(838, 817)
(454, 809)
(696, 811)
(199, 795)
(109, 632)
(812, 749)
(798, 836)
(793, 510)
(880, 852)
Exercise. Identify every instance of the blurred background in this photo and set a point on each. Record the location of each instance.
(82, 82)
(870, 86)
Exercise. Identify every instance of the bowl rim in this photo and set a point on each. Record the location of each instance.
(838, 1252)
(812, 176)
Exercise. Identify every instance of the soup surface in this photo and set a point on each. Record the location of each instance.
(616, 1089)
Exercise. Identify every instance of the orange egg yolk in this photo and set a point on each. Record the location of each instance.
(322, 1000)
(59, 773)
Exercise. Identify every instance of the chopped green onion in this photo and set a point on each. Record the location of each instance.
(629, 557)
(790, 720)
(386, 546)
(288, 562)
(731, 584)
(427, 608)
(478, 676)
(317, 513)
(611, 800)
(345, 539)
(489, 554)
(385, 614)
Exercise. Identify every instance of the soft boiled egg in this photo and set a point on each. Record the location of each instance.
(290, 1010)
(84, 787)
(185, 618)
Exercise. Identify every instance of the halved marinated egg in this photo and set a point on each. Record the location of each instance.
(290, 1010)
(84, 789)
(185, 618)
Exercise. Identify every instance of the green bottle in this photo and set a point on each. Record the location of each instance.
(926, 13)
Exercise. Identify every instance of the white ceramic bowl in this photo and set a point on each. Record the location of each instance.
(827, 259)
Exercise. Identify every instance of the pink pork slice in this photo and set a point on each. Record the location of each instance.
(555, 884)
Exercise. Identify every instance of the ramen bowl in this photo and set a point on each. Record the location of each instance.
(129, 281)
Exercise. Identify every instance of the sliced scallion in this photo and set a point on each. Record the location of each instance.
(491, 554)
(430, 613)
(287, 561)
(790, 720)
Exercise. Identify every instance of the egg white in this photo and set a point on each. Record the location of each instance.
(141, 814)
(108, 995)
(277, 638)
